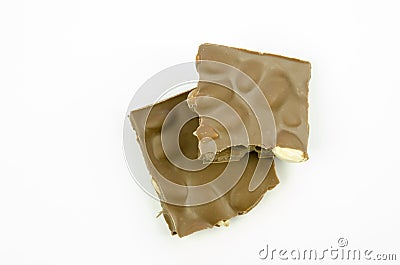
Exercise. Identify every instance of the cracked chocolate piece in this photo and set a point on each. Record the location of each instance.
(282, 81)
(220, 203)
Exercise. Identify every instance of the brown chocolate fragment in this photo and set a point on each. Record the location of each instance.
(183, 219)
(283, 82)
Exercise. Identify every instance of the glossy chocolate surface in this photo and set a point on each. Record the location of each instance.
(182, 217)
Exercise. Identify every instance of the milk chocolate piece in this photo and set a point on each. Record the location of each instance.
(183, 219)
(284, 83)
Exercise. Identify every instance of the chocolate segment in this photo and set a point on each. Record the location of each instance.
(284, 84)
(181, 214)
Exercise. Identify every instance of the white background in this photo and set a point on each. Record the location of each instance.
(68, 70)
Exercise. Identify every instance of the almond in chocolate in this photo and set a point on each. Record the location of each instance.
(282, 81)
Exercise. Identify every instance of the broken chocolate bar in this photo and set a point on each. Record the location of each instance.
(194, 195)
(282, 81)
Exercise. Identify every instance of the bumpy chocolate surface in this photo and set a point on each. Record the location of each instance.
(284, 83)
(148, 123)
